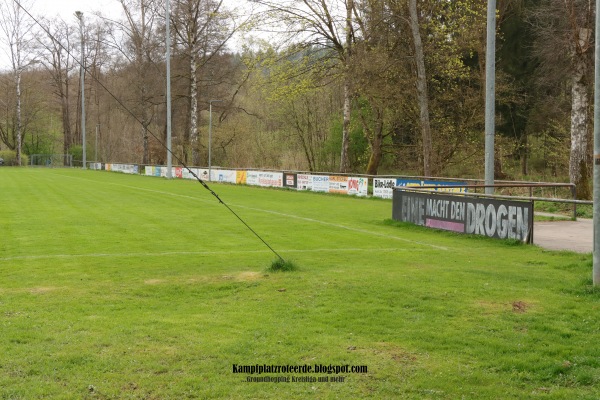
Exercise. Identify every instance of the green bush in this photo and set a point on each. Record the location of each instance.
(282, 265)
(10, 158)
(77, 152)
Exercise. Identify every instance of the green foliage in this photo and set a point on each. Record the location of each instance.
(10, 158)
(582, 210)
(359, 146)
(77, 152)
(41, 143)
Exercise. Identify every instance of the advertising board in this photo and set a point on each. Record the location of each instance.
(502, 219)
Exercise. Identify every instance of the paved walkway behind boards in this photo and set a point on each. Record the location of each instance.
(565, 235)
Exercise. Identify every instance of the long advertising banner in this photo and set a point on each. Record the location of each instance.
(501, 219)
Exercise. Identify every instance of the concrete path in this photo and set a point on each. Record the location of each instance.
(576, 236)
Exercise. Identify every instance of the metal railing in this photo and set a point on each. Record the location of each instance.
(531, 186)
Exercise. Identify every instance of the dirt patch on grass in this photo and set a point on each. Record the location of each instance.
(154, 281)
(389, 351)
(514, 306)
(42, 289)
(249, 276)
(520, 307)
(246, 276)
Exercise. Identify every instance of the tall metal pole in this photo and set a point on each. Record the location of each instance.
(596, 257)
(490, 95)
(79, 16)
(168, 57)
(210, 136)
(96, 147)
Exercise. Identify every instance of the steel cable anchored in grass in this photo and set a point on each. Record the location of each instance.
(202, 182)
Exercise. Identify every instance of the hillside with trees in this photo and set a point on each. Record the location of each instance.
(363, 86)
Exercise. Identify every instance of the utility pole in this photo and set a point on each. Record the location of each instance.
(96, 148)
(490, 95)
(168, 57)
(596, 256)
(210, 135)
(79, 16)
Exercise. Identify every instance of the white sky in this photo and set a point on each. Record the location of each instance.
(66, 8)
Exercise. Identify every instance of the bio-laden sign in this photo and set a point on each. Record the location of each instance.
(493, 218)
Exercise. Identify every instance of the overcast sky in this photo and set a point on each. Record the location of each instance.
(66, 8)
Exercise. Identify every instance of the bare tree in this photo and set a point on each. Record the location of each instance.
(564, 30)
(325, 24)
(17, 32)
(58, 45)
(135, 39)
(202, 30)
(422, 91)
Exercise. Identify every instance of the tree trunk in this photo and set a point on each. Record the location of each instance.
(67, 135)
(345, 157)
(145, 119)
(194, 106)
(578, 170)
(376, 151)
(525, 154)
(19, 134)
(375, 138)
(422, 91)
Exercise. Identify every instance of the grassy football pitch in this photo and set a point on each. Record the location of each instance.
(118, 286)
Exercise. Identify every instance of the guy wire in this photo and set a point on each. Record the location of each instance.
(200, 180)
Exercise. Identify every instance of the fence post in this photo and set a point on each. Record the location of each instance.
(574, 193)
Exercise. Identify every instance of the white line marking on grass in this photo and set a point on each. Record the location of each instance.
(344, 227)
(191, 253)
(364, 231)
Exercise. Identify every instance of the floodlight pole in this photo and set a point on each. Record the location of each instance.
(490, 95)
(168, 61)
(79, 16)
(210, 135)
(96, 147)
(596, 256)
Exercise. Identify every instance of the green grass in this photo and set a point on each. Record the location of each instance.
(116, 286)
(565, 209)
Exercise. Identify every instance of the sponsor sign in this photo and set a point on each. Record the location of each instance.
(264, 179)
(149, 171)
(408, 182)
(338, 184)
(358, 186)
(499, 219)
(202, 174)
(223, 175)
(384, 187)
(270, 179)
(179, 172)
(440, 186)
(289, 180)
(304, 182)
(240, 177)
(252, 178)
(186, 174)
(199, 172)
(320, 183)
(125, 168)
